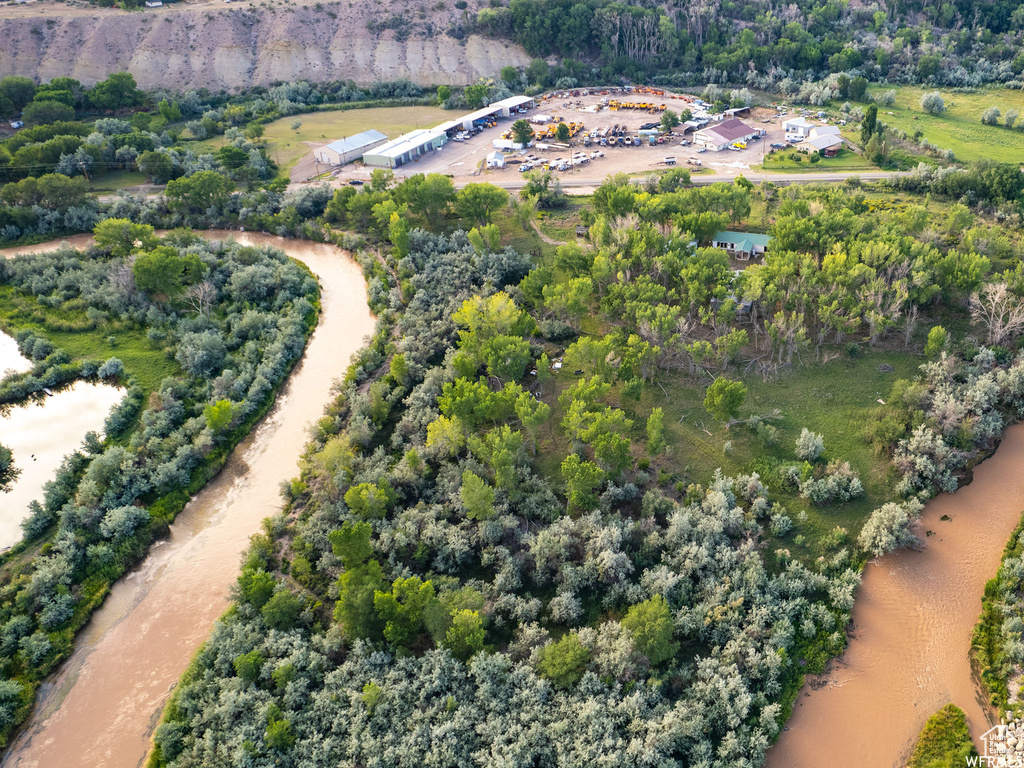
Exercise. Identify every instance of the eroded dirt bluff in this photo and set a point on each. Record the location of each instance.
(217, 45)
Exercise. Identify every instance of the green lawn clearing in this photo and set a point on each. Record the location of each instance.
(959, 127)
(113, 181)
(142, 358)
(833, 399)
(794, 161)
(287, 146)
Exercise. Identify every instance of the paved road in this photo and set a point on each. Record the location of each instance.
(585, 184)
(570, 181)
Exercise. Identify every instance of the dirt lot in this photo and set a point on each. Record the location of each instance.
(465, 160)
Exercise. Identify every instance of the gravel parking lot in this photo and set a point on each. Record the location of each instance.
(465, 160)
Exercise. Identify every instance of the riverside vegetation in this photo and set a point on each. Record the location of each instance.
(998, 641)
(213, 329)
(944, 742)
(487, 561)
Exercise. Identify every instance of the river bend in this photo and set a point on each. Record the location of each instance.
(100, 708)
(912, 624)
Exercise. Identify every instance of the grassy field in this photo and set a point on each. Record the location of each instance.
(845, 160)
(833, 399)
(286, 146)
(117, 180)
(560, 224)
(141, 357)
(959, 128)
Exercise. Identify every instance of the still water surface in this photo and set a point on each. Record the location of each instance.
(41, 433)
(101, 708)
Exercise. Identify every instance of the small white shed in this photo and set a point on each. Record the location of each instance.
(495, 160)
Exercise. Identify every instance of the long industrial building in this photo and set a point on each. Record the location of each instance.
(354, 147)
(407, 147)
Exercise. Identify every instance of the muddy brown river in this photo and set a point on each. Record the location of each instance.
(101, 707)
(907, 658)
(912, 631)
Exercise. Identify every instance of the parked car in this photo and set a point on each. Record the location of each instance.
(702, 149)
(356, 182)
(777, 145)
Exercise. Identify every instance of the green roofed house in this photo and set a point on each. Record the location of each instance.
(741, 245)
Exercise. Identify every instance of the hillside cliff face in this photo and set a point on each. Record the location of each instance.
(234, 46)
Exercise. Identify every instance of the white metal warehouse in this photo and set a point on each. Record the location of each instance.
(346, 150)
(406, 148)
(409, 146)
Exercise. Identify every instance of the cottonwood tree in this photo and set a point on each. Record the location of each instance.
(479, 202)
(999, 311)
(120, 236)
(650, 624)
(201, 297)
(402, 609)
(466, 634)
(523, 208)
(724, 398)
(532, 413)
(582, 479)
(656, 432)
(477, 497)
(564, 662)
(199, 192)
(164, 272)
(936, 344)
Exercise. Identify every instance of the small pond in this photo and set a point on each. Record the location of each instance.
(41, 433)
